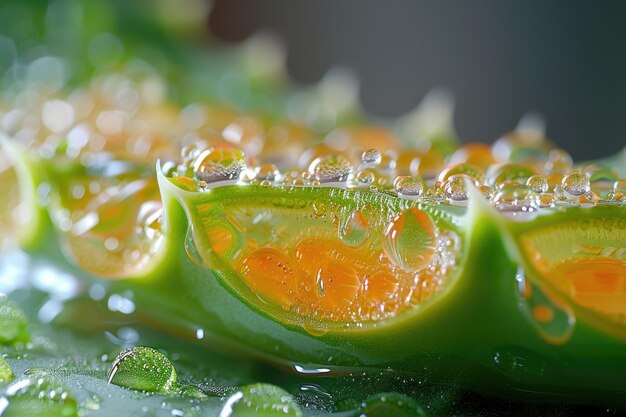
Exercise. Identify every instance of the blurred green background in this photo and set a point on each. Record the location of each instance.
(563, 60)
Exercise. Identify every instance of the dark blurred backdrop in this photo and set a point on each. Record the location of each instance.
(563, 59)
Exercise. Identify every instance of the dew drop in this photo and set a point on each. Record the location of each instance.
(219, 164)
(552, 318)
(499, 173)
(365, 176)
(202, 185)
(330, 168)
(261, 399)
(355, 230)
(371, 157)
(487, 191)
(462, 168)
(575, 184)
(38, 396)
(537, 183)
(390, 404)
(455, 189)
(589, 200)
(319, 208)
(409, 239)
(516, 199)
(143, 369)
(409, 186)
(268, 172)
(546, 200)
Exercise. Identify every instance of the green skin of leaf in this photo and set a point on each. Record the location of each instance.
(6, 374)
(453, 337)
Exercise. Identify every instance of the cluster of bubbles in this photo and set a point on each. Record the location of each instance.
(518, 175)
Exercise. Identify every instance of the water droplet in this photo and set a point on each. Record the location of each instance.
(455, 189)
(487, 191)
(267, 172)
(317, 329)
(330, 168)
(371, 157)
(391, 404)
(516, 199)
(546, 200)
(191, 391)
(466, 169)
(576, 184)
(409, 239)
(219, 164)
(499, 173)
(537, 183)
(143, 369)
(38, 396)
(589, 200)
(319, 208)
(365, 176)
(355, 230)
(552, 318)
(261, 399)
(515, 359)
(409, 186)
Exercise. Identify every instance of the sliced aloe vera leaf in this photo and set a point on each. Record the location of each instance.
(20, 212)
(108, 222)
(320, 258)
(576, 259)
